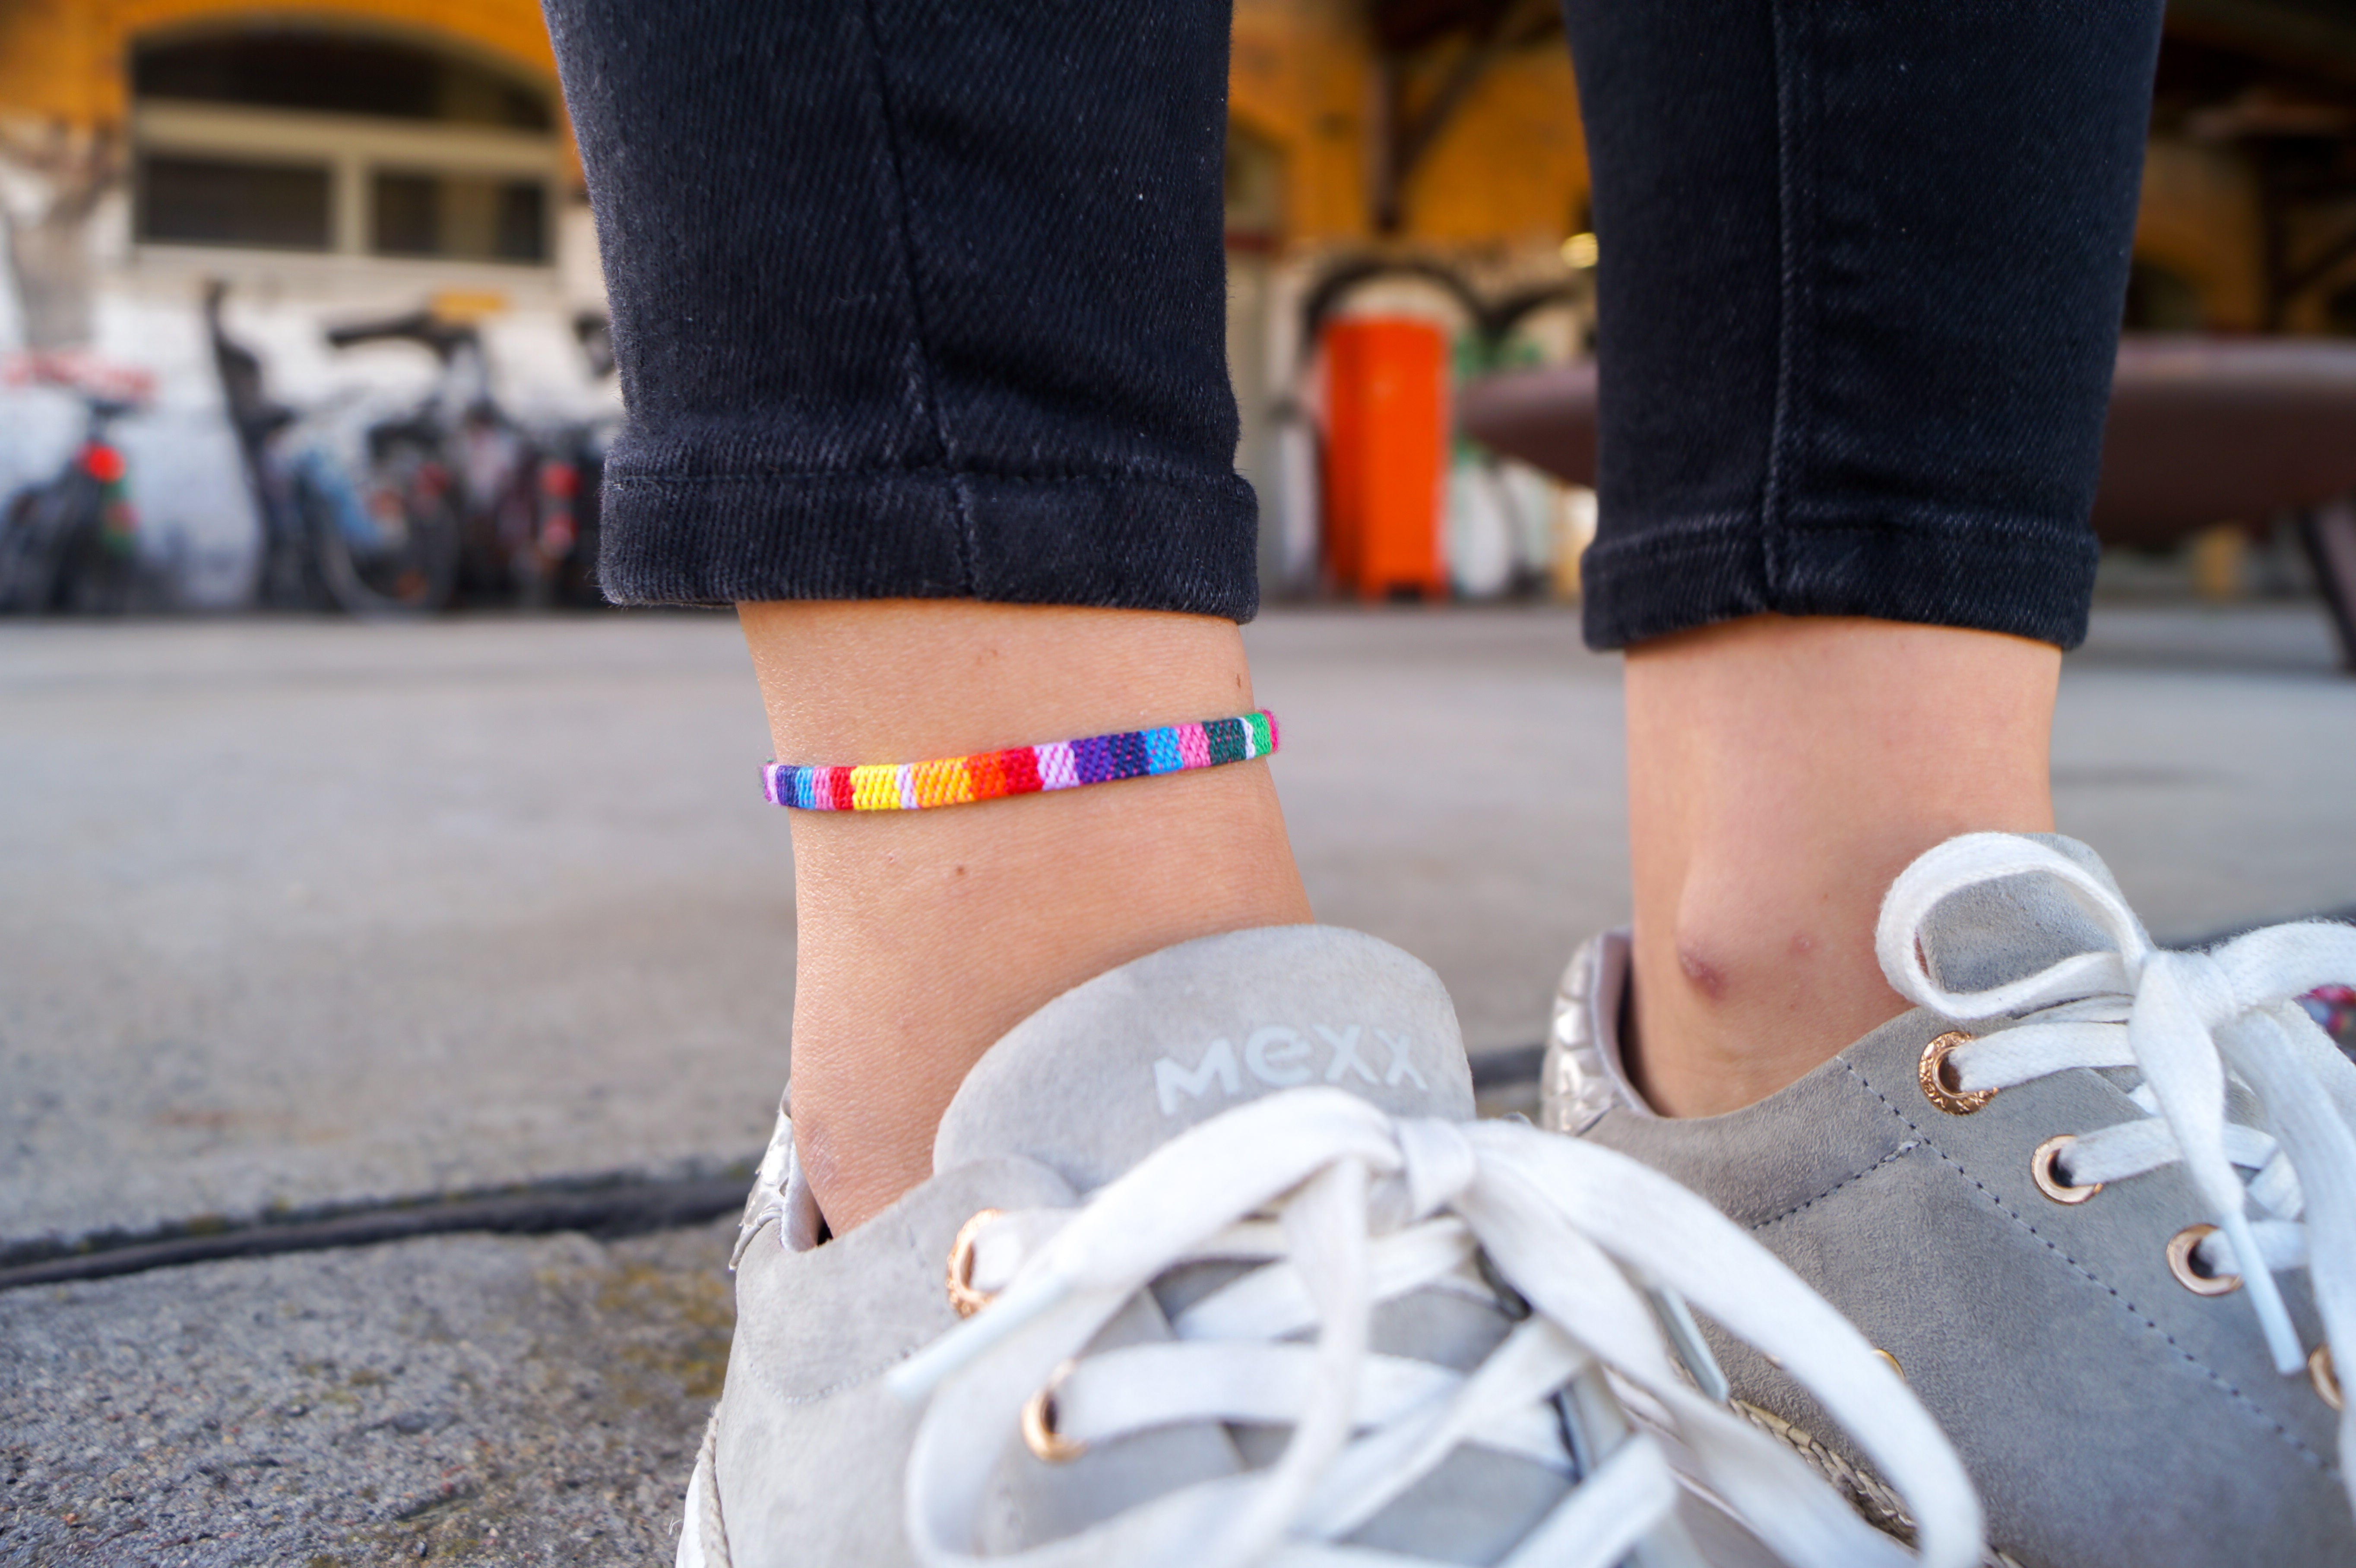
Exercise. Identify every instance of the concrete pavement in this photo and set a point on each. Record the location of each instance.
(474, 1398)
(310, 912)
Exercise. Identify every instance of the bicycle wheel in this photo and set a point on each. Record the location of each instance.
(388, 544)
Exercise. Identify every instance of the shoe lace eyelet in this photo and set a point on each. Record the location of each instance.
(1039, 1434)
(2044, 1167)
(963, 1296)
(2184, 1265)
(1937, 1078)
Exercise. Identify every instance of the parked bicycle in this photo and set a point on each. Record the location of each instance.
(72, 542)
(378, 537)
(525, 495)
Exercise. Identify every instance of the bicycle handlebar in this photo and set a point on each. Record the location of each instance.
(444, 337)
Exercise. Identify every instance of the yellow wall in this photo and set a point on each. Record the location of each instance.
(2199, 221)
(1300, 81)
(1511, 166)
(66, 59)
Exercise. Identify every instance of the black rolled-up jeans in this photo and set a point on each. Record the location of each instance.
(924, 298)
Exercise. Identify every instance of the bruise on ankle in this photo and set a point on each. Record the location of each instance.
(1700, 972)
(1782, 771)
(1734, 1006)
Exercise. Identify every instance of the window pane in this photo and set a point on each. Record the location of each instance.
(523, 224)
(223, 201)
(408, 215)
(462, 218)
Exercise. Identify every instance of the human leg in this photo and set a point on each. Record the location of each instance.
(1781, 772)
(925, 935)
(1860, 289)
(918, 314)
(1850, 442)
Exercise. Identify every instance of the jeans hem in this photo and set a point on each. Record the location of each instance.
(1114, 540)
(2020, 578)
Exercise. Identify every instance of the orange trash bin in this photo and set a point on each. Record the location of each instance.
(1386, 455)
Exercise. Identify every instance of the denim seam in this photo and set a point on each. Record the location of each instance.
(930, 393)
(1781, 22)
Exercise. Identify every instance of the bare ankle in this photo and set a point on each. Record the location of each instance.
(857, 1165)
(1733, 1010)
(1781, 772)
(925, 935)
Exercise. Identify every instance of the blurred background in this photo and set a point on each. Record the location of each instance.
(396, 957)
(396, 396)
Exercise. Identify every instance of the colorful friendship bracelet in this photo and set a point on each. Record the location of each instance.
(1025, 770)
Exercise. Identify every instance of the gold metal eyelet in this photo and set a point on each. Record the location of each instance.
(1938, 1082)
(2048, 1176)
(2188, 1274)
(962, 1294)
(1039, 1434)
(2320, 1373)
(1892, 1361)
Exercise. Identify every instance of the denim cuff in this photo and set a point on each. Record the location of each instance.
(2023, 578)
(1108, 540)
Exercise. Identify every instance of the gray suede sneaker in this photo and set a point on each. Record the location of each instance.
(1215, 1269)
(2098, 1199)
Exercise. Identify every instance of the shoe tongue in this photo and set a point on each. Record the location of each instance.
(1108, 1071)
(1993, 933)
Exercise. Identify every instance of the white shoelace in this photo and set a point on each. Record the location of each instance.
(1342, 1206)
(2192, 1024)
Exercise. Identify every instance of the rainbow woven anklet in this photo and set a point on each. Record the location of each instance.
(1025, 770)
